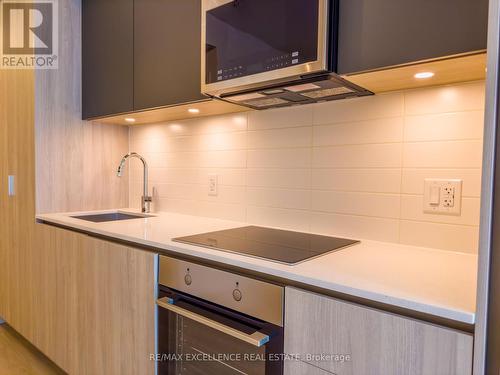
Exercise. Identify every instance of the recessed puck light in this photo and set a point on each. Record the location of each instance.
(424, 75)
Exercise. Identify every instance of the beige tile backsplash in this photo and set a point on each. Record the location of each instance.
(354, 168)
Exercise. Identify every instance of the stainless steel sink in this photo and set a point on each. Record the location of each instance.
(110, 216)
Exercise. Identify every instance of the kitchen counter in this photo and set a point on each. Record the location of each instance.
(429, 281)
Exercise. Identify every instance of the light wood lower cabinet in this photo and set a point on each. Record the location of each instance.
(115, 309)
(378, 343)
(94, 303)
(54, 295)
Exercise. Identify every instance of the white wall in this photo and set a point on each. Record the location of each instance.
(354, 167)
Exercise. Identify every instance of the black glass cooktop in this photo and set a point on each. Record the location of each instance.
(281, 246)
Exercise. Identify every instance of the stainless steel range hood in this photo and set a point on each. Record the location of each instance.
(300, 91)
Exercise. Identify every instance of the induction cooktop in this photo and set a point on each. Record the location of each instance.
(277, 245)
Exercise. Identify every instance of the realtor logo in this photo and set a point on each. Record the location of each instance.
(29, 34)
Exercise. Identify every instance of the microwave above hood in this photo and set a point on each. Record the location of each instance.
(272, 53)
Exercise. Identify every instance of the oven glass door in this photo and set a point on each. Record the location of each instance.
(194, 339)
(247, 37)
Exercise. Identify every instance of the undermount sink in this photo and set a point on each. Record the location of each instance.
(110, 216)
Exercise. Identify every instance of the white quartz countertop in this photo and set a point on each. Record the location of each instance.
(436, 282)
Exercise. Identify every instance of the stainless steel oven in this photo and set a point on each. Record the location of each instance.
(212, 321)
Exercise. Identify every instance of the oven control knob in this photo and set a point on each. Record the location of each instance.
(237, 295)
(188, 279)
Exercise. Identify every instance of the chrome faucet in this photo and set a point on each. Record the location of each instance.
(146, 198)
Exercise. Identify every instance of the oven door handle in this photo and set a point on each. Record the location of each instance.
(257, 339)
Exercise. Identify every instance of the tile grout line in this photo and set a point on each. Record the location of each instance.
(302, 189)
(353, 215)
(371, 169)
(310, 171)
(320, 147)
(402, 168)
(139, 138)
(247, 130)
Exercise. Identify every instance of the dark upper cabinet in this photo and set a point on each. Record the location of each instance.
(140, 54)
(107, 57)
(381, 33)
(167, 52)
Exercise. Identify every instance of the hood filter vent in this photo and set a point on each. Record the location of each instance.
(265, 102)
(326, 93)
(304, 91)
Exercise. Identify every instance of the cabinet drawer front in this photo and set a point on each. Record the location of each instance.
(377, 342)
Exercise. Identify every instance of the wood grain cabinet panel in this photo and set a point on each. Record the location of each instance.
(115, 331)
(95, 303)
(378, 343)
(54, 294)
(17, 211)
(4, 232)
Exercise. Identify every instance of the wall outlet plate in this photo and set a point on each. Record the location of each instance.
(213, 185)
(443, 196)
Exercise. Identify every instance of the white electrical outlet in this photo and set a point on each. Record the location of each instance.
(449, 201)
(443, 196)
(213, 185)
